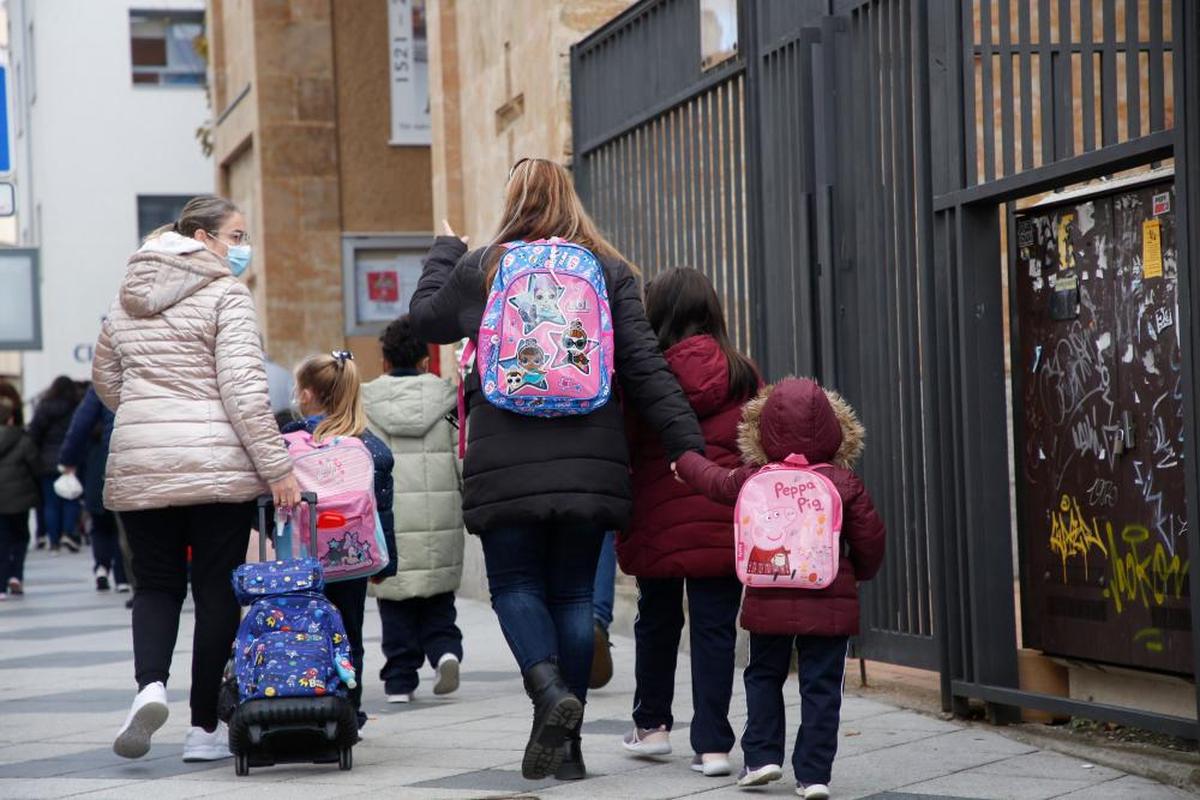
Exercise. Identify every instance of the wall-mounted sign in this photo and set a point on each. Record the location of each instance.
(20, 309)
(8, 200)
(5, 138)
(380, 275)
(408, 54)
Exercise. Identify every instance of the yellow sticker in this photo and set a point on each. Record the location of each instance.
(1151, 249)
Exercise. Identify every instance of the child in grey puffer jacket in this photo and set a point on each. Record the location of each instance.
(411, 410)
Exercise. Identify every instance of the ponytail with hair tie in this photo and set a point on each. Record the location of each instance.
(334, 379)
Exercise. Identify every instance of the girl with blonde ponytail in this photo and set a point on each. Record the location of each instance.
(329, 393)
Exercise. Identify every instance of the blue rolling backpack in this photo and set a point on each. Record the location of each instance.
(291, 666)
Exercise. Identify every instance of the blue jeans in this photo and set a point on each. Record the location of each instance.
(541, 584)
(61, 516)
(106, 550)
(606, 576)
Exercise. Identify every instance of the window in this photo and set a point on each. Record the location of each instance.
(167, 47)
(154, 210)
(718, 32)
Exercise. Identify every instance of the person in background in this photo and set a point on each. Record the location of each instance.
(603, 597)
(9, 392)
(410, 410)
(51, 417)
(330, 396)
(682, 542)
(85, 453)
(19, 468)
(179, 360)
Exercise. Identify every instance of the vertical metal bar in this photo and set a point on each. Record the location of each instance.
(1007, 124)
(751, 146)
(1064, 106)
(1157, 77)
(969, 121)
(1087, 77)
(988, 90)
(1023, 35)
(1047, 85)
(1108, 76)
(1185, 29)
(1133, 96)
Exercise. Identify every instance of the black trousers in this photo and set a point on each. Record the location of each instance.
(350, 597)
(14, 541)
(713, 607)
(159, 538)
(822, 661)
(414, 630)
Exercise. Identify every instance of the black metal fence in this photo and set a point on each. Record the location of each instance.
(840, 178)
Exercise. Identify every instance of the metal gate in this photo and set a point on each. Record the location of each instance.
(841, 179)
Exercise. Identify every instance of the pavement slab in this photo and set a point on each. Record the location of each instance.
(66, 680)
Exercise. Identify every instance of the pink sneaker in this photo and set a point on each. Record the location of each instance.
(648, 741)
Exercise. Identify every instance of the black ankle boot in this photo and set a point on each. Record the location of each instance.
(556, 715)
(572, 768)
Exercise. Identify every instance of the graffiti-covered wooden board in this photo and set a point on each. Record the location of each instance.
(1100, 431)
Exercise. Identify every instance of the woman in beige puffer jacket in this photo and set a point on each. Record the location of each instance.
(180, 361)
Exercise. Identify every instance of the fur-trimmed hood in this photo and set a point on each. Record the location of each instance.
(796, 416)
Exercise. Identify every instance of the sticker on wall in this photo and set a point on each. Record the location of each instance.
(1025, 233)
(1162, 203)
(1064, 303)
(1151, 249)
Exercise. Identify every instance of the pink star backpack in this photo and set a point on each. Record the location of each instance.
(787, 527)
(545, 345)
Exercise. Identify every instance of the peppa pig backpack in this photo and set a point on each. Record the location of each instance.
(545, 346)
(787, 527)
(340, 471)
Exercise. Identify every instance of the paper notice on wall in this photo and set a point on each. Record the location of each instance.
(1151, 249)
(409, 57)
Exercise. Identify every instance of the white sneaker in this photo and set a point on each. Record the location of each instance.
(400, 698)
(760, 776)
(123, 588)
(200, 745)
(814, 791)
(648, 741)
(447, 674)
(148, 714)
(101, 574)
(713, 765)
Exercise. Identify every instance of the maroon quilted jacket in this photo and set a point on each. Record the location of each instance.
(676, 531)
(796, 416)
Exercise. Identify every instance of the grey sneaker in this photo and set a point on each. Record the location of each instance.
(447, 674)
(814, 791)
(759, 776)
(648, 741)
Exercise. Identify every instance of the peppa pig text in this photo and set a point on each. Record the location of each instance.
(797, 492)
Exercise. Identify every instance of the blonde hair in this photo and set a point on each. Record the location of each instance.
(539, 202)
(333, 380)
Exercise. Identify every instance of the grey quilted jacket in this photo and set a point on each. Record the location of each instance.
(180, 361)
(409, 414)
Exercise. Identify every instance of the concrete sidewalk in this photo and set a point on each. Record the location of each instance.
(66, 680)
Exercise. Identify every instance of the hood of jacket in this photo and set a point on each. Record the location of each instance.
(798, 416)
(703, 373)
(10, 436)
(165, 270)
(408, 406)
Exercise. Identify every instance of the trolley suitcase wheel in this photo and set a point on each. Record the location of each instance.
(345, 758)
(242, 764)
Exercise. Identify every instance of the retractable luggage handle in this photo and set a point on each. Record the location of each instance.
(265, 501)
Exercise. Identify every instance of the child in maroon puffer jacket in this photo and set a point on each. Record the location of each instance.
(798, 417)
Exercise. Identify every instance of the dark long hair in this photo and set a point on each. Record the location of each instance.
(63, 389)
(681, 302)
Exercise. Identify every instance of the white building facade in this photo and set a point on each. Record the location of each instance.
(106, 100)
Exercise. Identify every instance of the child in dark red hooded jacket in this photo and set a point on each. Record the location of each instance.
(797, 417)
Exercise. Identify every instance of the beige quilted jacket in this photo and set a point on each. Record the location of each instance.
(180, 361)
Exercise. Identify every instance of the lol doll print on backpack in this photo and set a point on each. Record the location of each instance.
(546, 340)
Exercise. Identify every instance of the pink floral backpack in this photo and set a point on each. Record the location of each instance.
(350, 542)
(787, 527)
